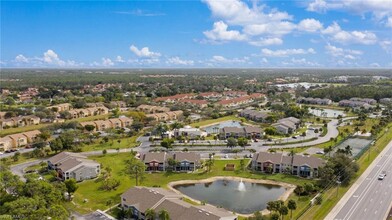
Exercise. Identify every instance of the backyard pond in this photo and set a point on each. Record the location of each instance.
(242, 197)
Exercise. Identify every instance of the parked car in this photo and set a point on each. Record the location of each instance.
(320, 152)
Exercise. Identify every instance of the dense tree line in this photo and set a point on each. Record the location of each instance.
(346, 92)
(33, 199)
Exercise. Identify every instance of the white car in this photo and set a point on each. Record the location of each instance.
(381, 176)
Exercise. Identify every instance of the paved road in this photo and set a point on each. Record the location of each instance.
(19, 168)
(369, 198)
(12, 153)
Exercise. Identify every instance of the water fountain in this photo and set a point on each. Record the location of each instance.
(241, 186)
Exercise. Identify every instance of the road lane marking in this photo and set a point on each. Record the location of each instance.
(367, 188)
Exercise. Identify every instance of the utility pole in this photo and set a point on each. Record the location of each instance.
(337, 188)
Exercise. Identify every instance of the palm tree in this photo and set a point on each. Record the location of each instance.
(283, 210)
(150, 214)
(163, 215)
(328, 150)
(271, 206)
(291, 154)
(292, 205)
(348, 150)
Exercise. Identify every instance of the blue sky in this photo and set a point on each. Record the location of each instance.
(190, 34)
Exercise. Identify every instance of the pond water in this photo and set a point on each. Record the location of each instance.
(213, 129)
(328, 113)
(240, 197)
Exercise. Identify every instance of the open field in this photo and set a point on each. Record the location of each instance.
(119, 143)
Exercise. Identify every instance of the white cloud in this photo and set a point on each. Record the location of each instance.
(389, 22)
(375, 65)
(220, 33)
(221, 59)
(3, 63)
(144, 62)
(21, 59)
(253, 21)
(340, 52)
(107, 62)
(309, 25)
(270, 29)
(236, 12)
(264, 60)
(266, 42)
(287, 52)
(144, 52)
(139, 12)
(381, 10)
(318, 6)
(119, 59)
(341, 56)
(338, 35)
(50, 57)
(300, 62)
(178, 61)
(386, 45)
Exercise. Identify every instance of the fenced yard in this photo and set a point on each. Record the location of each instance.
(357, 145)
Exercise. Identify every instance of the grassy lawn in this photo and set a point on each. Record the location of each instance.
(35, 127)
(367, 125)
(212, 121)
(330, 198)
(21, 129)
(127, 142)
(24, 157)
(98, 199)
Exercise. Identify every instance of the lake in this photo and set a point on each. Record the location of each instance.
(240, 197)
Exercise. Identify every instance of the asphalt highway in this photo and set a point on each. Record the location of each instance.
(369, 198)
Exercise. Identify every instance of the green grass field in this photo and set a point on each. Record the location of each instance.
(127, 142)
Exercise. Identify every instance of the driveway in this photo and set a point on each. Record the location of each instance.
(19, 168)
